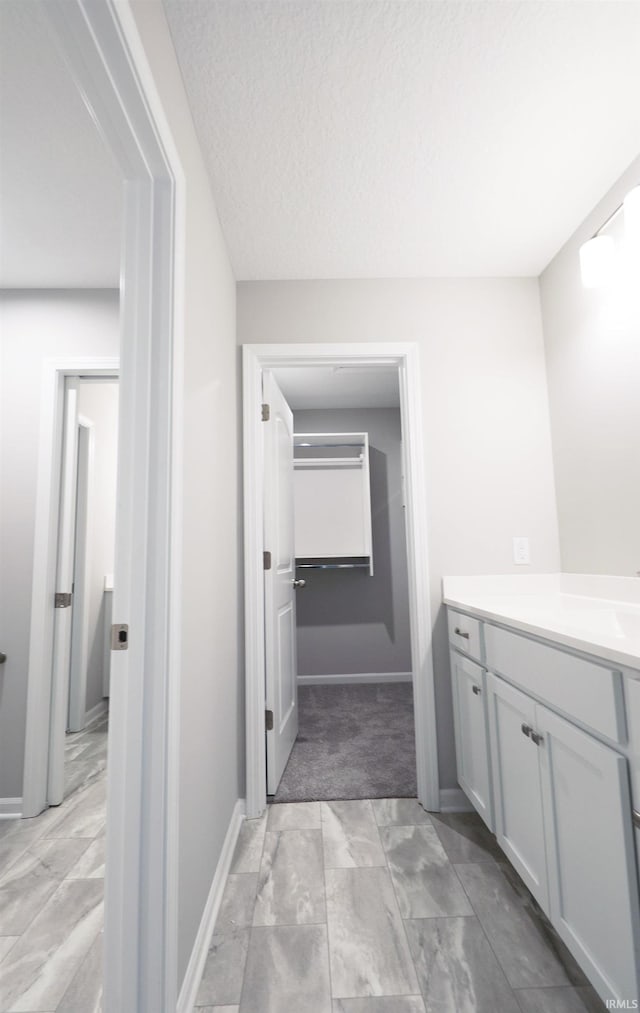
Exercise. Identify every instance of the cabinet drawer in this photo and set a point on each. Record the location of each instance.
(464, 634)
(586, 692)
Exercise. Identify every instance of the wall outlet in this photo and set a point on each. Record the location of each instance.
(521, 554)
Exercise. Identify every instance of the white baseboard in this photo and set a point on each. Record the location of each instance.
(195, 967)
(353, 677)
(96, 712)
(454, 800)
(10, 808)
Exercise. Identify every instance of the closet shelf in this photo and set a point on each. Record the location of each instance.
(327, 462)
(332, 501)
(327, 441)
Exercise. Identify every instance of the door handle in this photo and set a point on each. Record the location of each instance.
(299, 584)
(3, 658)
(526, 730)
(476, 690)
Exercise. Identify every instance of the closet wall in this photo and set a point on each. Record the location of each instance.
(350, 623)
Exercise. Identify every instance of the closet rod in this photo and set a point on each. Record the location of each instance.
(332, 566)
(326, 446)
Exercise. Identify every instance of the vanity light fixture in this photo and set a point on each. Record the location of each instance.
(631, 205)
(597, 255)
(596, 261)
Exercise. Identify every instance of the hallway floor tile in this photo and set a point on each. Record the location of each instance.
(51, 893)
(378, 907)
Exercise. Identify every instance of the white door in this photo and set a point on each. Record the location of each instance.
(472, 744)
(516, 785)
(279, 588)
(593, 883)
(64, 585)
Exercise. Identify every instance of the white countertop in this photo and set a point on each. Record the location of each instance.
(594, 614)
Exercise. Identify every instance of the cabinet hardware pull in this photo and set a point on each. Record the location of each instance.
(527, 730)
(635, 816)
(458, 632)
(476, 690)
(537, 738)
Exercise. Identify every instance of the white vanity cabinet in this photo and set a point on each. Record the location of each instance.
(470, 714)
(563, 819)
(561, 733)
(519, 820)
(472, 742)
(593, 884)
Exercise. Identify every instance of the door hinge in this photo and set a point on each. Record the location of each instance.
(266, 412)
(266, 560)
(635, 818)
(120, 637)
(62, 600)
(268, 720)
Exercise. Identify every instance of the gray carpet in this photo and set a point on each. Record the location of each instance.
(353, 742)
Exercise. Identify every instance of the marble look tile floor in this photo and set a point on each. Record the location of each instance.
(51, 892)
(378, 907)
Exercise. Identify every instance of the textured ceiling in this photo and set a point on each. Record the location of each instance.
(339, 387)
(343, 139)
(60, 201)
(408, 138)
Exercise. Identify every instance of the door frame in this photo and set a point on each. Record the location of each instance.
(40, 690)
(105, 55)
(76, 706)
(405, 357)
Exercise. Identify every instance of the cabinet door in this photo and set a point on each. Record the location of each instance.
(593, 883)
(472, 744)
(516, 785)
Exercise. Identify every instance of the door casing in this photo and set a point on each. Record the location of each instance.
(81, 573)
(40, 690)
(405, 357)
(102, 48)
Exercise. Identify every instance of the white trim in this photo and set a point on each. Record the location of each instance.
(96, 712)
(256, 358)
(81, 573)
(38, 717)
(454, 800)
(10, 808)
(107, 60)
(62, 621)
(195, 967)
(352, 678)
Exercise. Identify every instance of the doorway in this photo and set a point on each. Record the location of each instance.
(403, 361)
(85, 564)
(356, 734)
(51, 700)
(102, 47)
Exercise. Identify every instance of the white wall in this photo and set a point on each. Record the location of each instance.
(592, 339)
(348, 621)
(211, 697)
(34, 326)
(486, 420)
(98, 402)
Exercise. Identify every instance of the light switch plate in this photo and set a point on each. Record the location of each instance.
(521, 555)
